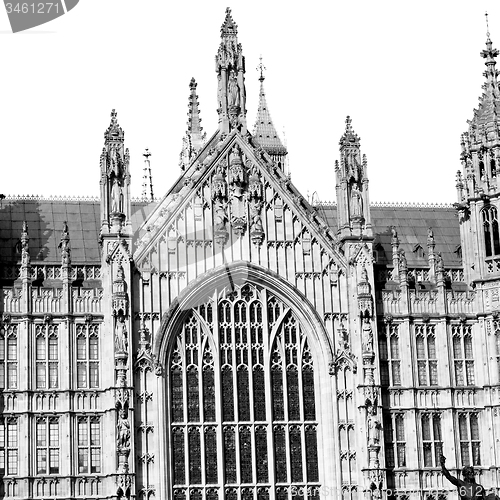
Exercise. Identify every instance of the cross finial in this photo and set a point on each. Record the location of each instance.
(487, 25)
(146, 154)
(261, 68)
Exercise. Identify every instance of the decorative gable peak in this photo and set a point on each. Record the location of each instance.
(114, 133)
(229, 27)
(349, 138)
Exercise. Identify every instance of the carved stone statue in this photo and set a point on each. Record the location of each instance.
(256, 224)
(220, 216)
(123, 428)
(121, 340)
(439, 262)
(233, 95)
(356, 202)
(374, 428)
(467, 488)
(116, 197)
(367, 335)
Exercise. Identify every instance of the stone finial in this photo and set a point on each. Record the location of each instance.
(64, 246)
(25, 254)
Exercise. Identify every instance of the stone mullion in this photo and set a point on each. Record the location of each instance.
(249, 348)
(301, 340)
(266, 337)
(200, 403)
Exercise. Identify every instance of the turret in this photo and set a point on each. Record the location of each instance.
(478, 189)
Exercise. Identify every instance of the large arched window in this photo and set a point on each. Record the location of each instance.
(491, 236)
(242, 422)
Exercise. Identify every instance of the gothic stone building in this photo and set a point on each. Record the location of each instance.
(232, 341)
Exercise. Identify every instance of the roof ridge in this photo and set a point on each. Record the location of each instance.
(394, 204)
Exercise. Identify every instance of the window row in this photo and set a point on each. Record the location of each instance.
(431, 439)
(47, 444)
(425, 355)
(47, 356)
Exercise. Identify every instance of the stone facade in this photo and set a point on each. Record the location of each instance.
(233, 341)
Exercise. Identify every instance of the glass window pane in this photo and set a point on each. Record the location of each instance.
(12, 348)
(53, 376)
(53, 347)
(40, 376)
(93, 347)
(81, 375)
(94, 374)
(40, 347)
(81, 347)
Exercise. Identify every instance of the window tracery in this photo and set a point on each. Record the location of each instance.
(491, 233)
(248, 356)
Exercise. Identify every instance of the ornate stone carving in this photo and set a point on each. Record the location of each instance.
(236, 191)
(367, 336)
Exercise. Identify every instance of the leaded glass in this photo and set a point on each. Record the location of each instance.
(194, 456)
(255, 367)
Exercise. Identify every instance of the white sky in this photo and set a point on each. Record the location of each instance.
(408, 73)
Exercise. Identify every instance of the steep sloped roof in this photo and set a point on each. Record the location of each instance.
(45, 219)
(411, 223)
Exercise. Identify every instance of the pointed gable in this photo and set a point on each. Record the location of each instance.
(225, 208)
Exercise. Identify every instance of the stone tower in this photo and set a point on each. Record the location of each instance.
(477, 185)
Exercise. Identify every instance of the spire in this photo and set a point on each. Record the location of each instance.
(264, 132)
(194, 139)
(484, 125)
(147, 179)
(230, 69)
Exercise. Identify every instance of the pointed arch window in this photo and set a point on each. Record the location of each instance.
(242, 381)
(490, 230)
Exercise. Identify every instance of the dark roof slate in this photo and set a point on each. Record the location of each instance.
(411, 223)
(45, 220)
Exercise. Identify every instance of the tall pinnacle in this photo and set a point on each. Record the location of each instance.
(489, 55)
(230, 69)
(264, 131)
(147, 178)
(194, 139)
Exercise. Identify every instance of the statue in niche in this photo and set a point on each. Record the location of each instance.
(356, 202)
(121, 340)
(256, 224)
(367, 335)
(233, 97)
(467, 488)
(116, 197)
(374, 427)
(123, 428)
(220, 216)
